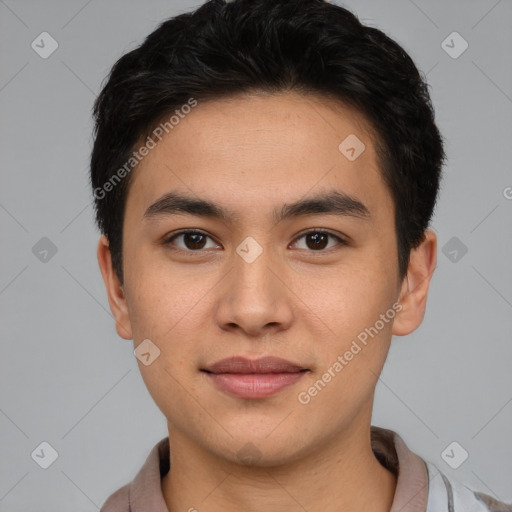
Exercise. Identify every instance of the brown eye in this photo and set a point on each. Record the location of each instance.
(191, 241)
(194, 240)
(318, 240)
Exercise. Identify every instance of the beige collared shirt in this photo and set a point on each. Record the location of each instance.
(421, 487)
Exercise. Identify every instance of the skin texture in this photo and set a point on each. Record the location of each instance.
(251, 154)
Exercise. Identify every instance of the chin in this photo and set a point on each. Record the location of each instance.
(264, 451)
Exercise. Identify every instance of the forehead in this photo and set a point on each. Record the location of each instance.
(260, 151)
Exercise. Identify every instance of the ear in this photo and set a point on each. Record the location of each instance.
(115, 292)
(413, 293)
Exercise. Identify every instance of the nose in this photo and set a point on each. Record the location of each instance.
(255, 298)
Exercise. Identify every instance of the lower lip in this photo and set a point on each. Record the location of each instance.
(254, 385)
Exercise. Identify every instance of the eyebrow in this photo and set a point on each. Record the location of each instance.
(332, 202)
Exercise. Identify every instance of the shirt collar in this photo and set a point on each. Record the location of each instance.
(145, 490)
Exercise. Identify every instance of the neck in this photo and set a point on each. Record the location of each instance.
(342, 474)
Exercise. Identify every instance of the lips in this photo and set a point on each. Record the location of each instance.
(264, 365)
(251, 379)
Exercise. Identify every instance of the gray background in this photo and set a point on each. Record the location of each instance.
(69, 380)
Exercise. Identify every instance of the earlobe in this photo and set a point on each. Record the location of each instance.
(115, 291)
(414, 291)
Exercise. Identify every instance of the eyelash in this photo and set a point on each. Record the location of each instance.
(168, 240)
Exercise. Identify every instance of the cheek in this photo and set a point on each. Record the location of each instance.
(351, 355)
(349, 297)
(173, 310)
(348, 307)
(168, 309)
(162, 296)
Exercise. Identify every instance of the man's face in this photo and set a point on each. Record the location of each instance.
(304, 298)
